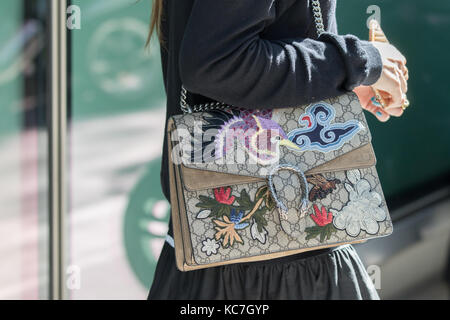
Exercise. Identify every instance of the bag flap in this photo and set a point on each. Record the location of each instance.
(195, 179)
(325, 136)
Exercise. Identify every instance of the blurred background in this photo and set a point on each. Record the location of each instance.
(114, 214)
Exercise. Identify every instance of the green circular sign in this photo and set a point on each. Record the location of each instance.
(146, 224)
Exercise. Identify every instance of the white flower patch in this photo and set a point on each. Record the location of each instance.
(363, 211)
(210, 246)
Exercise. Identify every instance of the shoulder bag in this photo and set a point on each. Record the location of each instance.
(249, 185)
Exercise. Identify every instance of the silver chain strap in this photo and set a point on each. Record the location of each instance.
(317, 11)
(186, 108)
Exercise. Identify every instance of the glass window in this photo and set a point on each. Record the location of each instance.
(23, 150)
(118, 215)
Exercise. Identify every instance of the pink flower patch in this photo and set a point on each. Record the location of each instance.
(321, 218)
(223, 196)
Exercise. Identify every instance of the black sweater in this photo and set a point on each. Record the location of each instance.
(258, 54)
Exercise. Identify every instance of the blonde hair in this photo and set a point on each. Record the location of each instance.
(156, 17)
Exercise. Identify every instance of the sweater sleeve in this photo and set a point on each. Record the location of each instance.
(223, 57)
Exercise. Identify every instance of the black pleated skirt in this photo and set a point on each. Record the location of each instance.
(336, 273)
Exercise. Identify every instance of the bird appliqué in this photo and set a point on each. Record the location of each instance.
(254, 131)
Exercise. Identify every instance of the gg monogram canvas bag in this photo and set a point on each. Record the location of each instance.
(249, 185)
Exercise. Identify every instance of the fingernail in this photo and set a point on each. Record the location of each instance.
(379, 114)
(375, 102)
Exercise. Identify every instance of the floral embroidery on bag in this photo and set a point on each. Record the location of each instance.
(224, 196)
(232, 214)
(210, 246)
(362, 211)
(226, 229)
(317, 132)
(324, 226)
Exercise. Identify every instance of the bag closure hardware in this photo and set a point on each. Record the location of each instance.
(282, 208)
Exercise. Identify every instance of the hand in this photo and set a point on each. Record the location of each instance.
(392, 83)
(366, 95)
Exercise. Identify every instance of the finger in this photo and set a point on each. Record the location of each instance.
(406, 73)
(386, 99)
(396, 98)
(391, 110)
(382, 115)
(385, 95)
(396, 112)
(378, 112)
(398, 57)
(404, 70)
(403, 82)
(394, 87)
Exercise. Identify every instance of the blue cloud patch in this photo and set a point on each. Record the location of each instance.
(317, 132)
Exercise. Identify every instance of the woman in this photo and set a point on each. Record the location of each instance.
(266, 54)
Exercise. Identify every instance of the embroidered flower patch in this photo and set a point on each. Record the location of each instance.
(324, 226)
(231, 213)
(210, 246)
(363, 211)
